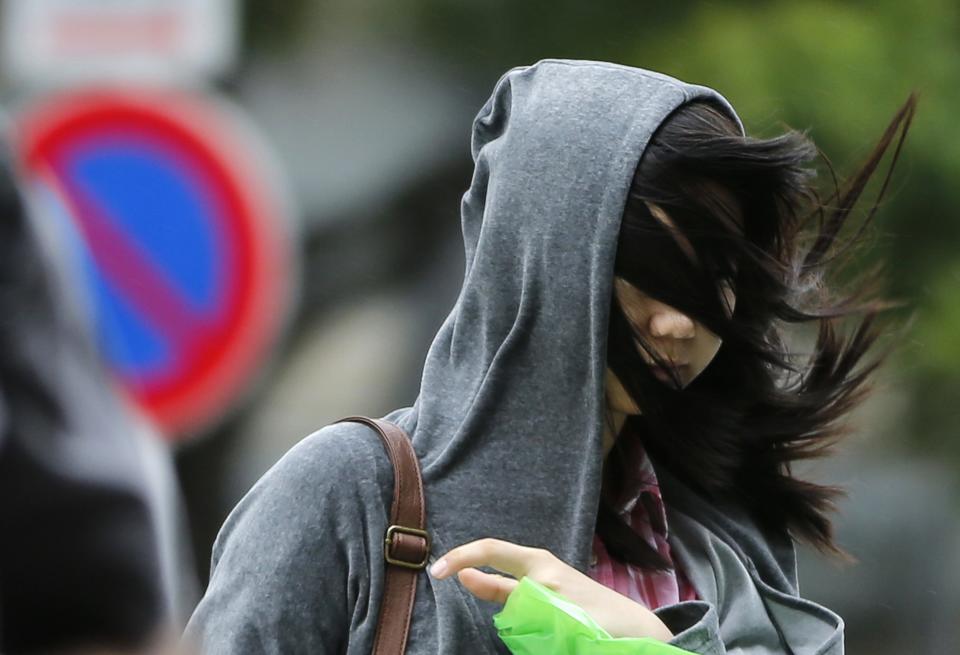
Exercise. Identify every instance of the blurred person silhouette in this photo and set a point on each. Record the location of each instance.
(89, 554)
(611, 408)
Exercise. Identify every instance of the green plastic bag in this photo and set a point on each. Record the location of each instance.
(539, 621)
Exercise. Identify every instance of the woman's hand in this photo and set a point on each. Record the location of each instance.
(617, 614)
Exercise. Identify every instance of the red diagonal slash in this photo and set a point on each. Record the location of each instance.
(130, 270)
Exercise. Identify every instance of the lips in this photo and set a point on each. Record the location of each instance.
(667, 375)
(669, 365)
(662, 369)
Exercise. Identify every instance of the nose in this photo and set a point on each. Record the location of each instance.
(668, 322)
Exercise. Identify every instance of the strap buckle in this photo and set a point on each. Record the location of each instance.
(388, 544)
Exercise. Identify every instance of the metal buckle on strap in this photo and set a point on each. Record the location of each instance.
(388, 542)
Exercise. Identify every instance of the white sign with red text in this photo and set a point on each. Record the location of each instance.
(56, 41)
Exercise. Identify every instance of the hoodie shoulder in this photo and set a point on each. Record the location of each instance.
(340, 469)
(337, 473)
(290, 570)
(343, 457)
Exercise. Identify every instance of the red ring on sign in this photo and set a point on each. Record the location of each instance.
(222, 155)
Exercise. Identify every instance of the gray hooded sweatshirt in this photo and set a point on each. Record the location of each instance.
(508, 421)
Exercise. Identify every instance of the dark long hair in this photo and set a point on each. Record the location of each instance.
(752, 211)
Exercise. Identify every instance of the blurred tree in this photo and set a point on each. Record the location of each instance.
(490, 37)
(267, 25)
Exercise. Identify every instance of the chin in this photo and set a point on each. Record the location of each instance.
(629, 410)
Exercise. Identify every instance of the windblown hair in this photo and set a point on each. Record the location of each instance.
(756, 220)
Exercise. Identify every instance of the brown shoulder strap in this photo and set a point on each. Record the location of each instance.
(406, 543)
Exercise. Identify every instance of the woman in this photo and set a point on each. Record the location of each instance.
(596, 292)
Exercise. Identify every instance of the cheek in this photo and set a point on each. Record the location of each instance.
(706, 348)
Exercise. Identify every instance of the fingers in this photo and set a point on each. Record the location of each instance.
(502, 555)
(487, 586)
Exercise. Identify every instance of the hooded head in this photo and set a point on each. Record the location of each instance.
(508, 422)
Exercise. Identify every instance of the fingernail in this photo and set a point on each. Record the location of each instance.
(439, 568)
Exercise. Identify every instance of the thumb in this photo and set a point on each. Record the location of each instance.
(487, 586)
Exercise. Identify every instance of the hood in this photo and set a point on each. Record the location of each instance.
(508, 421)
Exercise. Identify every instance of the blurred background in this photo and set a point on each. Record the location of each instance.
(337, 133)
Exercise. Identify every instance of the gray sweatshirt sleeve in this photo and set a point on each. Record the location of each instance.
(290, 565)
(744, 611)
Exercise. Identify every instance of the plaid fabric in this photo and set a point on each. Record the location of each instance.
(642, 507)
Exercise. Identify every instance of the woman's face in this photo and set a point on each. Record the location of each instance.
(683, 342)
